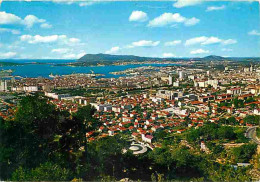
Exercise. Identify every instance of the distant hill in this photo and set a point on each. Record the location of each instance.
(108, 58)
(111, 58)
(214, 58)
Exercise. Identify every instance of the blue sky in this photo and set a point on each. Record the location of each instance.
(68, 30)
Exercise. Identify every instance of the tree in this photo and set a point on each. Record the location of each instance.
(244, 153)
(238, 103)
(250, 99)
(160, 135)
(86, 122)
(252, 119)
(226, 132)
(6, 150)
(45, 172)
(193, 136)
(41, 133)
(232, 120)
(209, 131)
(187, 164)
(215, 148)
(29, 139)
(210, 109)
(37, 116)
(240, 135)
(218, 172)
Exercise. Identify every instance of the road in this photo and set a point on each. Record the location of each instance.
(251, 133)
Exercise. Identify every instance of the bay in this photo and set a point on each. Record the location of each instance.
(44, 70)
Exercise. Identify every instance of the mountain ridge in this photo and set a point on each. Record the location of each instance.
(110, 57)
(106, 58)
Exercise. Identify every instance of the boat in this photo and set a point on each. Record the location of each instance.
(53, 76)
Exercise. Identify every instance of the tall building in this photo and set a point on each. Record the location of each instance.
(176, 84)
(251, 68)
(165, 94)
(246, 69)
(3, 86)
(182, 75)
(170, 80)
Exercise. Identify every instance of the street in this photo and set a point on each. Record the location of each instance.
(251, 133)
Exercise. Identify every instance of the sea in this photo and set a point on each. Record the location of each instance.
(43, 68)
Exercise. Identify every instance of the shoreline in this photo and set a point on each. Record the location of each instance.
(45, 70)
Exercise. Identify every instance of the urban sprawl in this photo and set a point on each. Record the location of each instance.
(151, 103)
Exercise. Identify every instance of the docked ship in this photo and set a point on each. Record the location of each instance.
(92, 74)
(53, 76)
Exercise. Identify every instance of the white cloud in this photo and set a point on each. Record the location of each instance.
(86, 3)
(254, 32)
(7, 55)
(226, 50)
(199, 51)
(138, 16)
(15, 46)
(74, 40)
(184, 3)
(30, 20)
(211, 40)
(61, 50)
(168, 55)
(203, 40)
(225, 56)
(42, 39)
(141, 43)
(229, 41)
(81, 54)
(62, 39)
(73, 56)
(46, 25)
(80, 3)
(13, 31)
(165, 19)
(191, 21)
(70, 56)
(64, 1)
(113, 50)
(28, 56)
(144, 43)
(195, 40)
(170, 18)
(215, 8)
(172, 43)
(174, 26)
(68, 53)
(8, 18)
